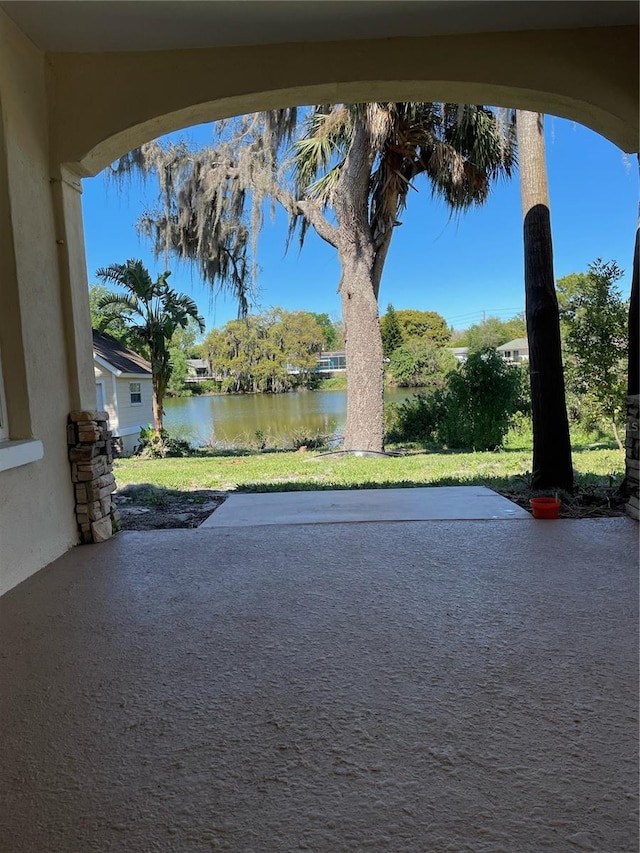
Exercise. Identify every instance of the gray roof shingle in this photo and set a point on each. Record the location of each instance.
(119, 357)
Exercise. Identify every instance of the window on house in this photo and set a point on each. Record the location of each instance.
(507, 354)
(135, 393)
(516, 354)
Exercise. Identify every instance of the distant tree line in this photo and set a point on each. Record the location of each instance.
(270, 352)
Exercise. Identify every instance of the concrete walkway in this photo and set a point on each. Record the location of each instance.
(467, 686)
(342, 505)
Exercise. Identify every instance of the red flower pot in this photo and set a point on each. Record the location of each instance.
(545, 507)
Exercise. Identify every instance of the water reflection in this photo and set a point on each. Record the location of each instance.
(234, 418)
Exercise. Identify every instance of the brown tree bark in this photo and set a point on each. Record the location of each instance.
(552, 466)
(158, 421)
(364, 428)
(633, 376)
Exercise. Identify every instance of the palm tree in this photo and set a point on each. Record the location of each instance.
(153, 312)
(552, 467)
(633, 375)
(358, 161)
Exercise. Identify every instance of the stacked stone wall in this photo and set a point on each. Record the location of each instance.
(633, 454)
(91, 457)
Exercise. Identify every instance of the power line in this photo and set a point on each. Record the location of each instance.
(470, 316)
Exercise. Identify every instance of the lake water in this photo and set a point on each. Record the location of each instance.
(236, 418)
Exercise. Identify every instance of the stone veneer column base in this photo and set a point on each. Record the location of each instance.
(633, 454)
(91, 460)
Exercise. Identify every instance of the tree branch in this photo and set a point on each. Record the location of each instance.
(311, 212)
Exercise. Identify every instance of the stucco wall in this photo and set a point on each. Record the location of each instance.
(590, 75)
(36, 517)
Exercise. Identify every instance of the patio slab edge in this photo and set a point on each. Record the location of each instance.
(442, 503)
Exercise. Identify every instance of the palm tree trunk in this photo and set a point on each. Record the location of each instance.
(157, 407)
(552, 467)
(629, 485)
(633, 376)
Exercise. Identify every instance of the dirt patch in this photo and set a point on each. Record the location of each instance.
(147, 507)
(585, 503)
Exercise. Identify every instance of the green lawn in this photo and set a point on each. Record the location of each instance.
(506, 470)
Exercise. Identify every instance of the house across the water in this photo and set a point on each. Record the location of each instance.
(123, 389)
(461, 353)
(198, 370)
(515, 351)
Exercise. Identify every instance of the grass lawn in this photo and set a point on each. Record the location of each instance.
(508, 471)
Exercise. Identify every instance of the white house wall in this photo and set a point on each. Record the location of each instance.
(133, 416)
(36, 519)
(108, 385)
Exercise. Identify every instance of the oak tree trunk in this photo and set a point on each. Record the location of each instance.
(552, 467)
(364, 428)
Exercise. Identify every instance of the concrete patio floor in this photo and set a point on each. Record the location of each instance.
(404, 686)
(340, 505)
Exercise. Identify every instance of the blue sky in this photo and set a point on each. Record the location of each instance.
(463, 268)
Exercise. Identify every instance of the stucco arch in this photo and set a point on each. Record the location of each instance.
(103, 105)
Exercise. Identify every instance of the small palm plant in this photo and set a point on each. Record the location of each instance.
(153, 311)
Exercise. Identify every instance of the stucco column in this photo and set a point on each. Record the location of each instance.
(67, 191)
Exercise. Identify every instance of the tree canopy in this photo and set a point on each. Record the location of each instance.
(331, 331)
(103, 317)
(270, 352)
(420, 363)
(492, 332)
(594, 320)
(423, 324)
(391, 331)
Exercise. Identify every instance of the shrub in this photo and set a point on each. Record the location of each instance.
(311, 439)
(480, 401)
(420, 363)
(154, 447)
(207, 386)
(416, 419)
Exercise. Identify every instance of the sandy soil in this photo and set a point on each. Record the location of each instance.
(145, 507)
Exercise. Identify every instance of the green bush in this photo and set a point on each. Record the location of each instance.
(416, 419)
(207, 386)
(334, 383)
(153, 447)
(303, 437)
(420, 363)
(474, 409)
(481, 399)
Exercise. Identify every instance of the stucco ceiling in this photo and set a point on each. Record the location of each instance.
(122, 25)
